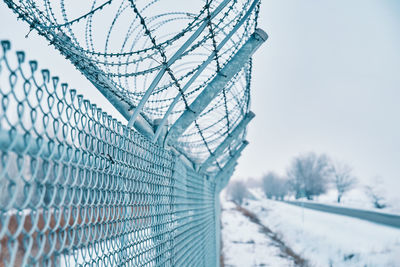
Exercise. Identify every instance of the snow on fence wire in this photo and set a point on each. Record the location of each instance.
(79, 187)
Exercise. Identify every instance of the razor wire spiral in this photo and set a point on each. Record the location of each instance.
(129, 41)
(78, 188)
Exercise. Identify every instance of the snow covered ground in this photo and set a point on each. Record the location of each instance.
(321, 238)
(244, 244)
(357, 198)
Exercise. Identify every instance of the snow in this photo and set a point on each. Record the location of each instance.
(328, 239)
(244, 244)
(357, 198)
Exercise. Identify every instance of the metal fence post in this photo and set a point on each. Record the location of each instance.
(204, 66)
(232, 136)
(80, 188)
(217, 215)
(231, 162)
(216, 85)
(167, 64)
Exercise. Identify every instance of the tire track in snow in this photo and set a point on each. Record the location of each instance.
(285, 250)
(246, 242)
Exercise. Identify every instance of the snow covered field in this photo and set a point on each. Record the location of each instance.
(321, 238)
(357, 198)
(244, 244)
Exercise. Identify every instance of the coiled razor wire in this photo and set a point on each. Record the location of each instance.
(130, 41)
(78, 188)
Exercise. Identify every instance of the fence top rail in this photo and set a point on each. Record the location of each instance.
(120, 46)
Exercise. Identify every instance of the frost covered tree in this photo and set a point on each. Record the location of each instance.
(308, 175)
(274, 186)
(377, 199)
(342, 178)
(268, 184)
(237, 192)
(376, 193)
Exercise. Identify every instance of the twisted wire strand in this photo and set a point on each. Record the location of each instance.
(128, 42)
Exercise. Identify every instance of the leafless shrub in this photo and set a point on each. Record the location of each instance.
(342, 178)
(237, 191)
(274, 186)
(376, 193)
(308, 175)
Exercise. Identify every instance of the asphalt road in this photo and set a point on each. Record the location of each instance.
(375, 217)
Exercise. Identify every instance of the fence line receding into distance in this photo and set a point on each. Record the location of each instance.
(79, 187)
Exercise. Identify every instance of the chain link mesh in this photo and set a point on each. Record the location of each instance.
(129, 42)
(78, 188)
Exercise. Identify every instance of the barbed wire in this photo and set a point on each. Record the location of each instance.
(129, 42)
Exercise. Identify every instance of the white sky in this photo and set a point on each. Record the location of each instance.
(326, 80)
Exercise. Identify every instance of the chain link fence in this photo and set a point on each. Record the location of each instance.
(156, 57)
(80, 188)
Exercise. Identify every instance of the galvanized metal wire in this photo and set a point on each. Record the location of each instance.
(130, 42)
(79, 188)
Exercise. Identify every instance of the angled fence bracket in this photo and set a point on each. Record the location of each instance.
(203, 67)
(105, 87)
(231, 163)
(216, 85)
(175, 57)
(103, 84)
(225, 179)
(232, 136)
(163, 197)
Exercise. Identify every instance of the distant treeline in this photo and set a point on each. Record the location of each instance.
(308, 175)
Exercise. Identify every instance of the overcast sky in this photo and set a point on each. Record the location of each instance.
(327, 80)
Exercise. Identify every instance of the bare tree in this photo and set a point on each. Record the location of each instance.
(376, 193)
(377, 199)
(237, 192)
(342, 178)
(268, 184)
(274, 186)
(308, 175)
(283, 189)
